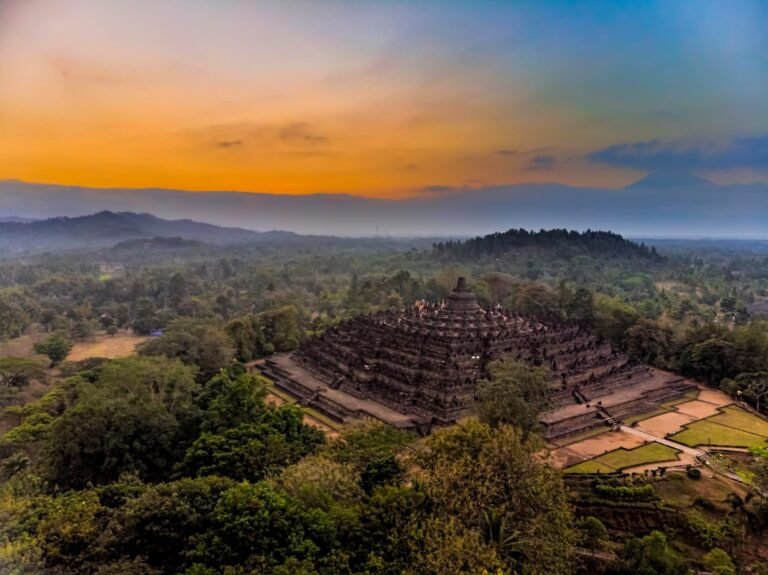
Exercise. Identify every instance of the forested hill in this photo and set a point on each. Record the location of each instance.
(106, 229)
(559, 242)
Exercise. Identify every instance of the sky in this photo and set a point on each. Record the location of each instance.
(384, 99)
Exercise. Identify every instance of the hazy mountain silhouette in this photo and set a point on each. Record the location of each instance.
(107, 228)
(669, 181)
(675, 205)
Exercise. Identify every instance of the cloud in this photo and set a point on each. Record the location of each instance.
(541, 162)
(506, 152)
(660, 155)
(300, 132)
(440, 190)
(291, 137)
(410, 167)
(229, 144)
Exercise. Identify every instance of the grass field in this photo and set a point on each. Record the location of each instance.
(706, 432)
(589, 466)
(741, 419)
(619, 459)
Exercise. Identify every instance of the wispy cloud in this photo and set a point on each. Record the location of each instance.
(441, 190)
(229, 144)
(541, 162)
(292, 136)
(301, 132)
(506, 152)
(660, 155)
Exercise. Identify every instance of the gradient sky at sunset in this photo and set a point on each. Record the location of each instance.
(380, 98)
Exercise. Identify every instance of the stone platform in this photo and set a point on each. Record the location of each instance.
(611, 406)
(608, 408)
(340, 406)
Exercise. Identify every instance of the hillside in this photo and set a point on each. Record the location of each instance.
(562, 243)
(106, 229)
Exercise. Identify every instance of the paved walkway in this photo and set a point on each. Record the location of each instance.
(673, 444)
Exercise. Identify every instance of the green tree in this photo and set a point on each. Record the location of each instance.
(56, 347)
(17, 372)
(515, 393)
(134, 418)
(161, 523)
(718, 562)
(648, 341)
(710, 360)
(593, 533)
(195, 343)
(580, 308)
(444, 545)
(613, 317)
(650, 555)
(473, 468)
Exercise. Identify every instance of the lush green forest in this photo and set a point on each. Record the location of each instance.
(175, 460)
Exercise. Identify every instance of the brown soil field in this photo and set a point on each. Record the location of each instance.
(20, 346)
(697, 409)
(120, 345)
(663, 424)
(714, 396)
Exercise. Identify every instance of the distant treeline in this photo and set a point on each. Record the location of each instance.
(596, 242)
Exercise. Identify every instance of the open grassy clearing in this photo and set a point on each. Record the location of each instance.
(707, 432)
(20, 346)
(109, 346)
(619, 459)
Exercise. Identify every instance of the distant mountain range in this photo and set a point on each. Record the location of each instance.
(659, 205)
(107, 229)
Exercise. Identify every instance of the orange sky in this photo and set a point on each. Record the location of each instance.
(299, 97)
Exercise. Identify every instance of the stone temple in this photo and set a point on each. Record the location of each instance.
(418, 367)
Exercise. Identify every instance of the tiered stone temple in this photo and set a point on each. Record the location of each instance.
(418, 367)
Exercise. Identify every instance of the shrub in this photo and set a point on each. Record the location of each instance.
(704, 503)
(625, 492)
(694, 473)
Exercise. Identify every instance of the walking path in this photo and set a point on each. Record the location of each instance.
(673, 444)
